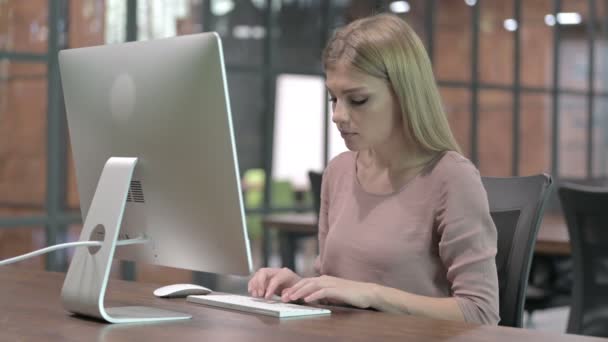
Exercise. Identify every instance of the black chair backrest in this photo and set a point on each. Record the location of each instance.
(516, 206)
(586, 211)
(315, 187)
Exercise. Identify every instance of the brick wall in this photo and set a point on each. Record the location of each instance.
(23, 27)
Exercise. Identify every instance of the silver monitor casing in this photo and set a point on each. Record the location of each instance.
(165, 104)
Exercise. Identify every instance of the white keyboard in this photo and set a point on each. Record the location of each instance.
(258, 305)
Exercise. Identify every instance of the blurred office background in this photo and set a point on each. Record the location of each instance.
(525, 85)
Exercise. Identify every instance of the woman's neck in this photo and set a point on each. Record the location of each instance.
(395, 157)
(383, 171)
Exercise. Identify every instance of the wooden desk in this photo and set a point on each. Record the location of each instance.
(552, 237)
(292, 223)
(31, 311)
(290, 227)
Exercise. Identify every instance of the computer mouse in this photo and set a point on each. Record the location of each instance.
(181, 290)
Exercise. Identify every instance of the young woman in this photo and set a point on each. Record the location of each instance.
(404, 224)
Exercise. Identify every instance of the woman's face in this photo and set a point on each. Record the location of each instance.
(365, 109)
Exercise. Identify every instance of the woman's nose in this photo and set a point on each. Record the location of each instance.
(339, 114)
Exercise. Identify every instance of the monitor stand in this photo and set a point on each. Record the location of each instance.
(87, 277)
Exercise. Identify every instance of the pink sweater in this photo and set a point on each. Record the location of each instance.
(434, 237)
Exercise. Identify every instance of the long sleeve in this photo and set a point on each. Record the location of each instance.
(323, 224)
(467, 244)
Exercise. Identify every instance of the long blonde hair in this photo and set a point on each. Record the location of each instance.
(385, 46)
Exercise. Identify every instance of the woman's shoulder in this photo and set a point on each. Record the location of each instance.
(451, 158)
(342, 161)
(457, 183)
(452, 167)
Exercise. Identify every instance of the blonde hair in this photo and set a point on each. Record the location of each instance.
(385, 46)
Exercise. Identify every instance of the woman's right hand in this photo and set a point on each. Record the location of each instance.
(269, 281)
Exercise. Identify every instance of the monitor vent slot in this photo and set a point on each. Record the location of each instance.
(136, 192)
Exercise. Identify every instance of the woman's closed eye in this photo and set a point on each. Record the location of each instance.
(358, 101)
(352, 101)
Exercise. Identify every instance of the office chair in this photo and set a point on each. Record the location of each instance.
(516, 206)
(289, 239)
(551, 276)
(315, 179)
(585, 208)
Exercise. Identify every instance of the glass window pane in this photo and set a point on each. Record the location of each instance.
(299, 117)
(536, 44)
(535, 134)
(416, 18)
(16, 241)
(297, 36)
(574, 60)
(456, 102)
(90, 21)
(23, 103)
(97, 22)
(496, 42)
(247, 104)
(601, 47)
(574, 46)
(115, 21)
(495, 133)
(24, 26)
(572, 136)
(600, 137)
(168, 18)
(453, 41)
(241, 24)
(601, 67)
(412, 11)
(343, 12)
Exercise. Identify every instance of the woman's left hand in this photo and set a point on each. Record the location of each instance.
(331, 289)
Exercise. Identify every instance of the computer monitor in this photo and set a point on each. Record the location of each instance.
(152, 139)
